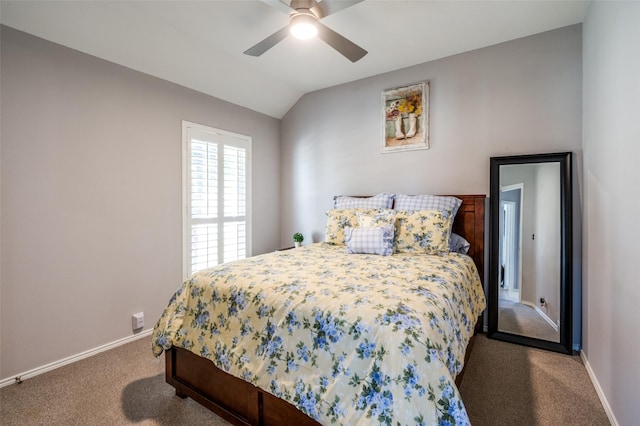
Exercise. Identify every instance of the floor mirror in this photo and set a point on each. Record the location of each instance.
(530, 276)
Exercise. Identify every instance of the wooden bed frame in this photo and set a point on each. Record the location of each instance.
(242, 403)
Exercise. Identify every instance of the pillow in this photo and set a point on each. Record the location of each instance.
(339, 219)
(427, 202)
(458, 244)
(382, 218)
(380, 201)
(424, 231)
(369, 240)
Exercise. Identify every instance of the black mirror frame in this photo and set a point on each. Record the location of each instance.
(566, 251)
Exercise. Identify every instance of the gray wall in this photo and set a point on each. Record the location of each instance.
(547, 231)
(91, 196)
(523, 96)
(611, 226)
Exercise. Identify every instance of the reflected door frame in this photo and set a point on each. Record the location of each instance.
(513, 237)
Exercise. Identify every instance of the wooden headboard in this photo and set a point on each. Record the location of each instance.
(469, 223)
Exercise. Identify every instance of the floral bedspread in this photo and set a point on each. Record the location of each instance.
(346, 338)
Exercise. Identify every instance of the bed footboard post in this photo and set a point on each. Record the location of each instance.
(169, 361)
(168, 366)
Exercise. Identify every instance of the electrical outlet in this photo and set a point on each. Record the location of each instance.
(137, 321)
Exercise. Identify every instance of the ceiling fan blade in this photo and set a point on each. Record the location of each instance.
(281, 5)
(268, 42)
(326, 7)
(349, 50)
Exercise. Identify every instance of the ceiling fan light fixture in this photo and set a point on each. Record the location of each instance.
(303, 25)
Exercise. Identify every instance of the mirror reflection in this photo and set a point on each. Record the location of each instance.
(529, 294)
(530, 269)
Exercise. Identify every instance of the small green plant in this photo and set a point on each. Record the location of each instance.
(297, 237)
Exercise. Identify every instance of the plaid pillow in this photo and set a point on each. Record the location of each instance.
(427, 202)
(375, 240)
(380, 201)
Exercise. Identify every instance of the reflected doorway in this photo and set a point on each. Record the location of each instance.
(510, 249)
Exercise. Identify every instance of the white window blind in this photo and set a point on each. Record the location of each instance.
(216, 197)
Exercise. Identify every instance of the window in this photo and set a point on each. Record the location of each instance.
(216, 197)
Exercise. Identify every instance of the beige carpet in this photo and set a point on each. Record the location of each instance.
(508, 384)
(119, 387)
(504, 384)
(518, 318)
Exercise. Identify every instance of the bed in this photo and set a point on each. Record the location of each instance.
(295, 344)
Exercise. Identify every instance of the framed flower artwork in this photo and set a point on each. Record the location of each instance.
(405, 118)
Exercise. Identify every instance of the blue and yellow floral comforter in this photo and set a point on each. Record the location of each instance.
(347, 339)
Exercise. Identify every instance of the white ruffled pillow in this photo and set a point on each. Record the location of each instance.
(383, 217)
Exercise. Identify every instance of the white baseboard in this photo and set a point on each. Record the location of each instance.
(542, 313)
(596, 385)
(73, 358)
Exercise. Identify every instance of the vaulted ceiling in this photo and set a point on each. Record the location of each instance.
(200, 44)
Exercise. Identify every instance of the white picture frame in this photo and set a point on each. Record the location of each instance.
(405, 118)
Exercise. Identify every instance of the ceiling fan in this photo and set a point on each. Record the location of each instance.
(304, 23)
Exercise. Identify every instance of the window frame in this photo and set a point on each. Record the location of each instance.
(187, 222)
